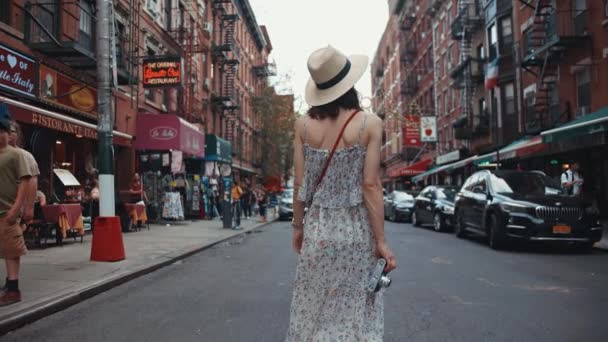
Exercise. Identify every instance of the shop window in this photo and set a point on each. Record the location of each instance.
(583, 92)
(509, 91)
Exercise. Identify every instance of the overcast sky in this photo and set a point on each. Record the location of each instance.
(298, 27)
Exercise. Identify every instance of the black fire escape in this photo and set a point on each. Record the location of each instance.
(62, 29)
(552, 34)
(227, 56)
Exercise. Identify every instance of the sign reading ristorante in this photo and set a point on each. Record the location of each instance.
(63, 126)
(162, 72)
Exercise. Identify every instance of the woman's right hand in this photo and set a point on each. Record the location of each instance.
(383, 251)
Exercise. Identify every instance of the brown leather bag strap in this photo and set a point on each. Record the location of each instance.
(333, 150)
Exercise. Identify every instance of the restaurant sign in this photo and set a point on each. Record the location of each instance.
(162, 72)
(17, 72)
(67, 92)
(411, 131)
(428, 129)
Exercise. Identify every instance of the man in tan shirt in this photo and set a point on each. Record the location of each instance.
(32, 184)
(14, 188)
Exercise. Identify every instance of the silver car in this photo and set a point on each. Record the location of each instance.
(286, 205)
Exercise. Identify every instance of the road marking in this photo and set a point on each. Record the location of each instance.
(557, 289)
(486, 281)
(440, 260)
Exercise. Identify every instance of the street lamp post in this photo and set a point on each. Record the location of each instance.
(104, 100)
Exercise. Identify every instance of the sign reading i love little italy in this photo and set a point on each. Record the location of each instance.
(17, 72)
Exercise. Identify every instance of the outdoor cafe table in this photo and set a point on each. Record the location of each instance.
(66, 216)
(137, 211)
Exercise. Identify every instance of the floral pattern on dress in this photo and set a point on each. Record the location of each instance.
(339, 188)
(330, 301)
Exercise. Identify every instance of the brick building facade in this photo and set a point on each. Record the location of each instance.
(221, 50)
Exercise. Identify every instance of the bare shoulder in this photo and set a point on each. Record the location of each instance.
(300, 122)
(373, 121)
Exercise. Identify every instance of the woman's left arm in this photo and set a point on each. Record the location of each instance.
(298, 206)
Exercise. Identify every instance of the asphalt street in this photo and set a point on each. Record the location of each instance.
(444, 289)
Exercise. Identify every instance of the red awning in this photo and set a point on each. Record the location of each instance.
(416, 168)
(30, 114)
(169, 132)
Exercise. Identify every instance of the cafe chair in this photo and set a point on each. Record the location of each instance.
(39, 231)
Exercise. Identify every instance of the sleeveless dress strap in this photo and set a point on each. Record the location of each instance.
(362, 127)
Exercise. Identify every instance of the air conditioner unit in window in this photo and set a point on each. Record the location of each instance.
(208, 27)
(207, 84)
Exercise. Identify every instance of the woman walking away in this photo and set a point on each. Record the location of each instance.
(342, 234)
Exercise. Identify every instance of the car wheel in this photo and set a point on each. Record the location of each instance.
(461, 230)
(438, 222)
(496, 234)
(392, 216)
(415, 221)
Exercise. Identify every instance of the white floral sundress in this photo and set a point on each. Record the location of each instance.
(330, 302)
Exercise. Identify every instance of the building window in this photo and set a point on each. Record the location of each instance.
(509, 91)
(440, 105)
(167, 14)
(507, 35)
(493, 48)
(85, 38)
(446, 99)
(583, 91)
(4, 12)
(153, 8)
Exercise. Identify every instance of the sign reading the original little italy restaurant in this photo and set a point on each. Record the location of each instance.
(162, 72)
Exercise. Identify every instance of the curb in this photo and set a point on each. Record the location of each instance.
(64, 301)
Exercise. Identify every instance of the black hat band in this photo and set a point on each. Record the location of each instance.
(336, 79)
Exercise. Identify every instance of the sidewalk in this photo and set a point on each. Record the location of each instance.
(57, 277)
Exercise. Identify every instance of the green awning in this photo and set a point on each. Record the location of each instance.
(595, 122)
(485, 159)
(217, 149)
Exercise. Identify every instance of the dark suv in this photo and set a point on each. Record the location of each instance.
(509, 204)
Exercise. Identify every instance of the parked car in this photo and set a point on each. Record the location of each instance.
(505, 205)
(435, 204)
(398, 205)
(286, 205)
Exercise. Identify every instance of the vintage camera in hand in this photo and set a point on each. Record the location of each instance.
(378, 278)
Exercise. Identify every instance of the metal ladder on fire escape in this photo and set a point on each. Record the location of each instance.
(547, 73)
(230, 66)
(465, 53)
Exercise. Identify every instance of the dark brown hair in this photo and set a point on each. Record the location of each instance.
(350, 100)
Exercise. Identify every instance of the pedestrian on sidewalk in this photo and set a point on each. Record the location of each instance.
(263, 205)
(572, 181)
(342, 234)
(14, 140)
(247, 202)
(15, 194)
(237, 192)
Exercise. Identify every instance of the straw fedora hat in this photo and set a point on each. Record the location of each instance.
(332, 74)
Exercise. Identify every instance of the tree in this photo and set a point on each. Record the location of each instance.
(277, 122)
